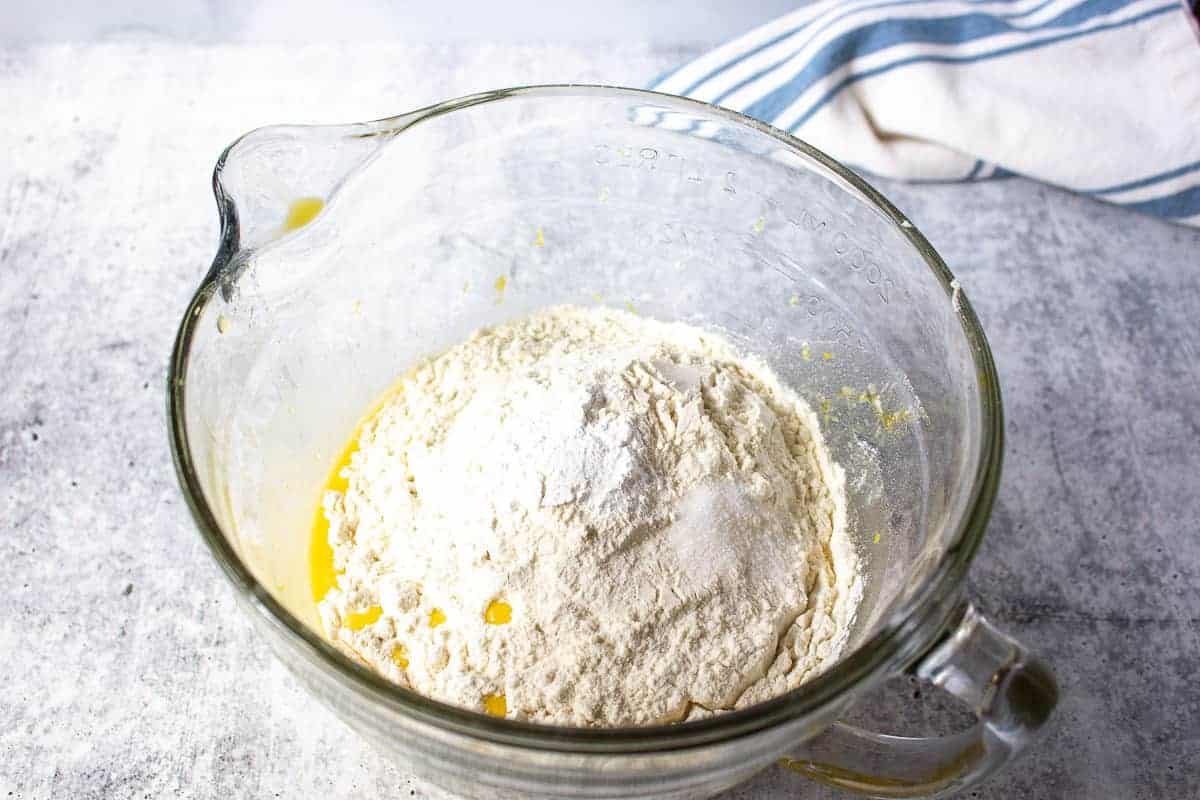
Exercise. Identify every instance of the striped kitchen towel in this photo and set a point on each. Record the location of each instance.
(1098, 96)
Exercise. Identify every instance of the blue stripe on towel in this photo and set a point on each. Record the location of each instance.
(1147, 181)
(780, 62)
(946, 59)
(890, 33)
(740, 57)
(1180, 205)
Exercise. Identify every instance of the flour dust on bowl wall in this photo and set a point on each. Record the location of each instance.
(578, 441)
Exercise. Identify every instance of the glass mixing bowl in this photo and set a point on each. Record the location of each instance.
(436, 222)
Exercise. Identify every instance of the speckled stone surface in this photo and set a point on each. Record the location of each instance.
(127, 669)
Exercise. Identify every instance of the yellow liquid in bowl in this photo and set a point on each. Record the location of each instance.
(322, 574)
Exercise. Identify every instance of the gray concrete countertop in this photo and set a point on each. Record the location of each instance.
(128, 671)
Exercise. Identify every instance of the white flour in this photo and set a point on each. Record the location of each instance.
(659, 513)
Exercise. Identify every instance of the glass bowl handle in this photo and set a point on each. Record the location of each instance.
(1012, 692)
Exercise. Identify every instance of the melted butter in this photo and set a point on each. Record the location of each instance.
(322, 573)
(400, 656)
(495, 704)
(356, 622)
(302, 211)
(498, 613)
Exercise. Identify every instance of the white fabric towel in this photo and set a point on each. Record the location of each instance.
(1098, 96)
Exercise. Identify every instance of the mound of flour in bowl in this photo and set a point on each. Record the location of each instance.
(584, 517)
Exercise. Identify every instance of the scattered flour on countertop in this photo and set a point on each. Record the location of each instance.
(660, 514)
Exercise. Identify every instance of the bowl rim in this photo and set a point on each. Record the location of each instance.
(908, 631)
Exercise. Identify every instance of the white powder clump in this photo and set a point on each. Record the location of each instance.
(659, 513)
